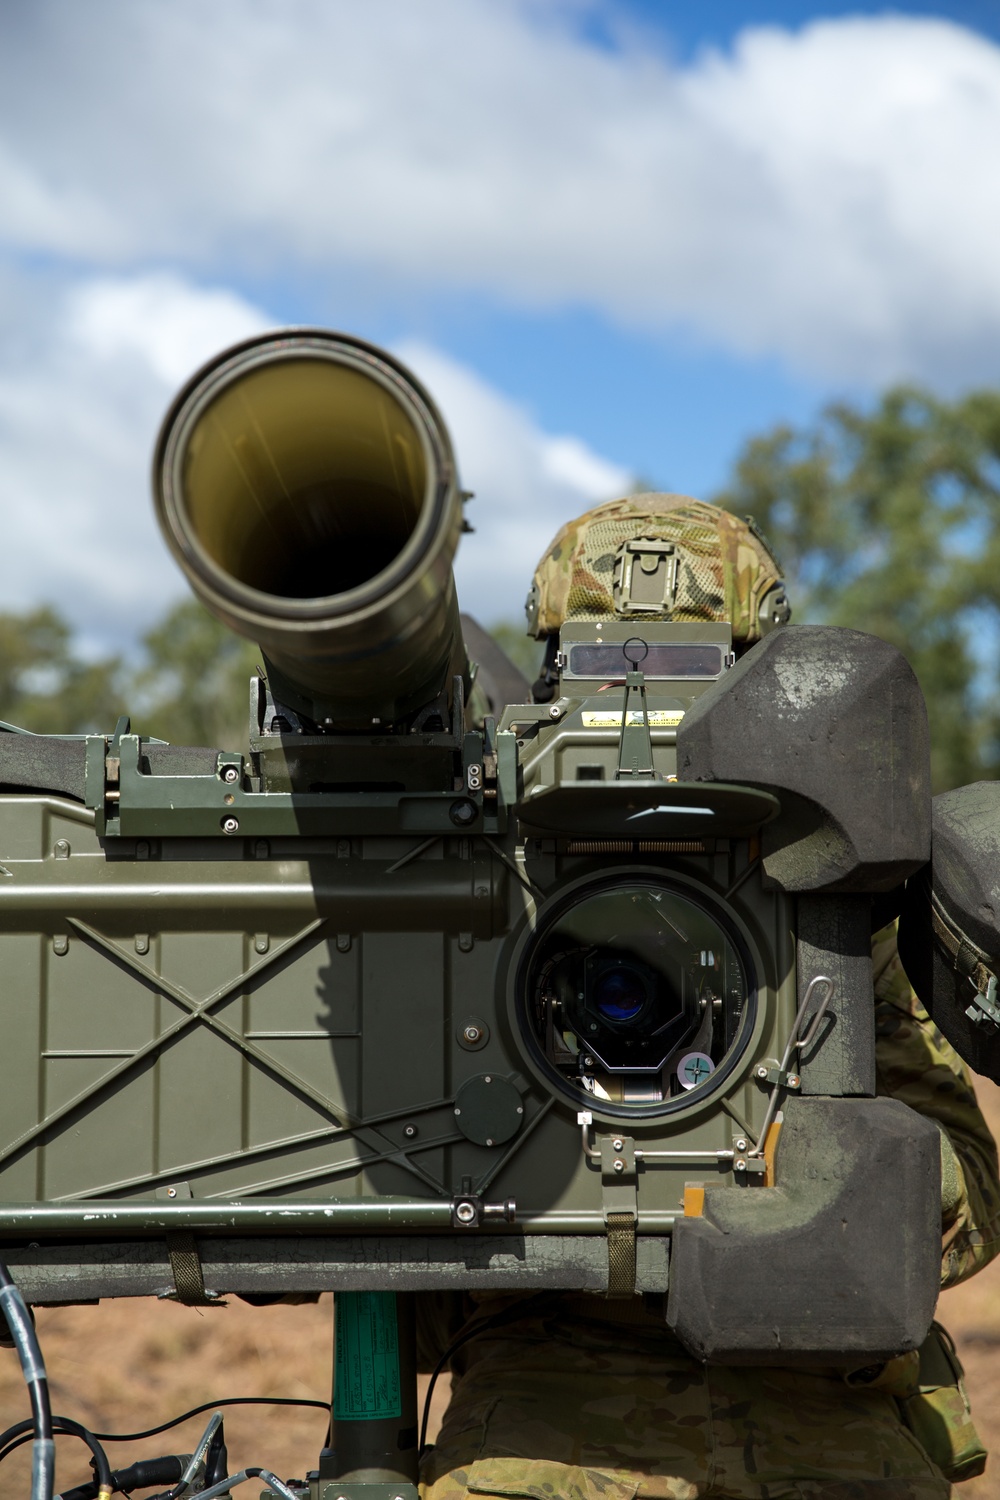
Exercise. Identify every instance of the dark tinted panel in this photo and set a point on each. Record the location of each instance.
(670, 659)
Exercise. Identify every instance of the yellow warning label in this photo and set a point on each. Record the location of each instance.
(609, 718)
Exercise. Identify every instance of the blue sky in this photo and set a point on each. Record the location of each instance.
(616, 237)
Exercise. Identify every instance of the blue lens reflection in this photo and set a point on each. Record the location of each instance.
(620, 994)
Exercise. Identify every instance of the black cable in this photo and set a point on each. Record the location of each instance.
(134, 1437)
(21, 1432)
(509, 1315)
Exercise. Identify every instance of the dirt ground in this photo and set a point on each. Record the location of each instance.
(124, 1366)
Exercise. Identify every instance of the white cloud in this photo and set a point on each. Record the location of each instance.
(78, 423)
(527, 483)
(828, 195)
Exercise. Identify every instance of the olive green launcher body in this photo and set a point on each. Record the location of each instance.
(416, 995)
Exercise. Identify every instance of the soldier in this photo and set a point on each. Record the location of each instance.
(578, 1397)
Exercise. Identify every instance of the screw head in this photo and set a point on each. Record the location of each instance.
(739, 1164)
(619, 1165)
(171, 1192)
(230, 825)
(409, 1131)
(465, 1213)
(462, 813)
(472, 1034)
(230, 773)
(740, 1144)
(555, 712)
(794, 1080)
(617, 1144)
(762, 1071)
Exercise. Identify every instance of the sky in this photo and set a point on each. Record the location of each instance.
(616, 239)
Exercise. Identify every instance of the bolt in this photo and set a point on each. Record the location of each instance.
(409, 1131)
(619, 1165)
(465, 1213)
(472, 1034)
(740, 1144)
(230, 825)
(555, 712)
(462, 813)
(230, 773)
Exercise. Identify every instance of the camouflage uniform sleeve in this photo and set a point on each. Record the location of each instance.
(917, 1065)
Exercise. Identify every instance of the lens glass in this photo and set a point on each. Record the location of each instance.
(622, 983)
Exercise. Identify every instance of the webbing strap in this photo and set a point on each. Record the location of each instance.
(967, 959)
(185, 1268)
(621, 1254)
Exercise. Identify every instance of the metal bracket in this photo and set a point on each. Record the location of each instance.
(620, 1205)
(645, 577)
(984, 1007)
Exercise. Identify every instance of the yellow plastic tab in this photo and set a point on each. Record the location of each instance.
(694, 1200)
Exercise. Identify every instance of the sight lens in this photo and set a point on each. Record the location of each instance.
(620, 993)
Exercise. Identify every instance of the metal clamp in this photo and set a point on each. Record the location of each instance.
(795, 1044)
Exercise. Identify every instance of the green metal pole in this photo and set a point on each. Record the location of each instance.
(375, 1396)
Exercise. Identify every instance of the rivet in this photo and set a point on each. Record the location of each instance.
(409, 1131)
(60, 944)
(142, 942)
(61, 849)
(261, 942)
(489, 1140)
(487, 1079)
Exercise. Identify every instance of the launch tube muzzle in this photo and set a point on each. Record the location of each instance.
(306, 484)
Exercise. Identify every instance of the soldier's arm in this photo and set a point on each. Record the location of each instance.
(917, 1065)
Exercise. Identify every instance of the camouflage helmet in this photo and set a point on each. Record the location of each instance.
(659, 557)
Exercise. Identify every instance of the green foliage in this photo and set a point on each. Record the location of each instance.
(44, 685)
(887, 521)
(192, 687)
(525, 652)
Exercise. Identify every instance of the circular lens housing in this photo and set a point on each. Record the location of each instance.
(623, 981)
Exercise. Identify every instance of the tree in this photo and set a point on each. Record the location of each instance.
(889, 521)
(193, 686)
(44, 685)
